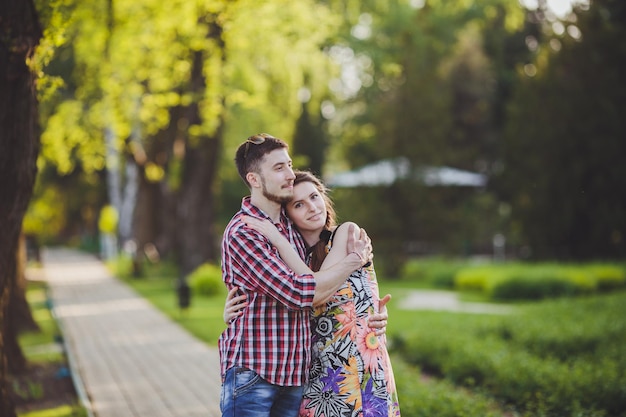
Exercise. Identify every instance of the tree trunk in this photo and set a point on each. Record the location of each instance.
(19, 309)
(154, 220)
(195, 207)
(177, 215)
(18, 313)
(19, 146)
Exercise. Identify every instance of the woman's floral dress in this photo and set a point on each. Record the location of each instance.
(350, 373)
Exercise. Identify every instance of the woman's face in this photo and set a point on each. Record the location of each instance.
(307, 209)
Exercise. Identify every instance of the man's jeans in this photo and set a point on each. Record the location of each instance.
(246, 394)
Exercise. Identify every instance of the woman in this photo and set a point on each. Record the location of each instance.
(351, 372)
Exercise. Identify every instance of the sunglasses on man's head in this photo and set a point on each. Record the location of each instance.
(256, 140)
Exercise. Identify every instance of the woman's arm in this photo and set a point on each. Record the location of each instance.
(377, 320)
(339, 247)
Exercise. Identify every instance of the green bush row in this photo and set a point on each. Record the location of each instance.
(557, 358)
(517, 281)
(538, 281)
(435, 272)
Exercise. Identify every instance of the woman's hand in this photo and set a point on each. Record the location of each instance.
(378, 321)
(360, 244)
(234, 305)
(265, 227)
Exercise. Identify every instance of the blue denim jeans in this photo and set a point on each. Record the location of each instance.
(246, 394)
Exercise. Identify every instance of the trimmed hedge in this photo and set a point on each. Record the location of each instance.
(556, 358)
(440, 398)
(436, 272)
(538, 281)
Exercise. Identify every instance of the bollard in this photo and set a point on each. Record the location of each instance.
(184, 294)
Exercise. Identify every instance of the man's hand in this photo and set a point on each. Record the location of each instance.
(378, 321)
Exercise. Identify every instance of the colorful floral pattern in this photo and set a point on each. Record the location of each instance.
(351, 373)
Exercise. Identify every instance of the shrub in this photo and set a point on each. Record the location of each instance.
(583, 281)
(474, 278)
(608, 277)
(438, 272)
(428, 397)
(521, 288)
(206, 280)
(555, 358)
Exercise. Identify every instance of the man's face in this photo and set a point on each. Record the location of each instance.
(277, 176)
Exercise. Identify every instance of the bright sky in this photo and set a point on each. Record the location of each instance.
(559, 7)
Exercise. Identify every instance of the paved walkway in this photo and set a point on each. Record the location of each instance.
(447, 301)
(127, 358)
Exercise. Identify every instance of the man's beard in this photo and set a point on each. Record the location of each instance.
(273, 197)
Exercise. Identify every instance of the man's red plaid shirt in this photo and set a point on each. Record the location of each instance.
(273, 335)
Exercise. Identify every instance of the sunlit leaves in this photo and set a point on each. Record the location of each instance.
(45, 216)
(65, 141)
(153, 172)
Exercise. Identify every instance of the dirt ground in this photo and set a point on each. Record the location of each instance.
(42, 386)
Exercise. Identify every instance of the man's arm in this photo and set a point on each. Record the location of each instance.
(327, 281)
(253, 264)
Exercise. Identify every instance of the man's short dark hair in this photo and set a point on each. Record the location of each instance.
(250, 153)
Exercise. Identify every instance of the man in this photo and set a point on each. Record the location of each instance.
(265, 352)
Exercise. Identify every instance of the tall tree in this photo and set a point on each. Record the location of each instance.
(310, 140)
(563, 169)
(176, 97)
(19, 145)
(427, 94)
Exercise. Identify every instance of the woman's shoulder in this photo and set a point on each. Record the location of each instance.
(341, 231)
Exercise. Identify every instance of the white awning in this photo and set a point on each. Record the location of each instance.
(387, 171)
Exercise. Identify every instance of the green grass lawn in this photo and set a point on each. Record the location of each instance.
(549, 358)
(44, 355)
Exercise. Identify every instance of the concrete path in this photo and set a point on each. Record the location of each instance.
(446, 301)
(127, 358)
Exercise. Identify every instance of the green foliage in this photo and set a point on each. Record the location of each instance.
(536, 281)
(520, 288)
(607, 276)
(62, 411)
(33, 341)
(436, 272)
(206, 280)
(562, 168)
(121, 266)
(45, 216)
(557, 358)
(476, 278)
(40, 347)
(107, 221)
(421, 397)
